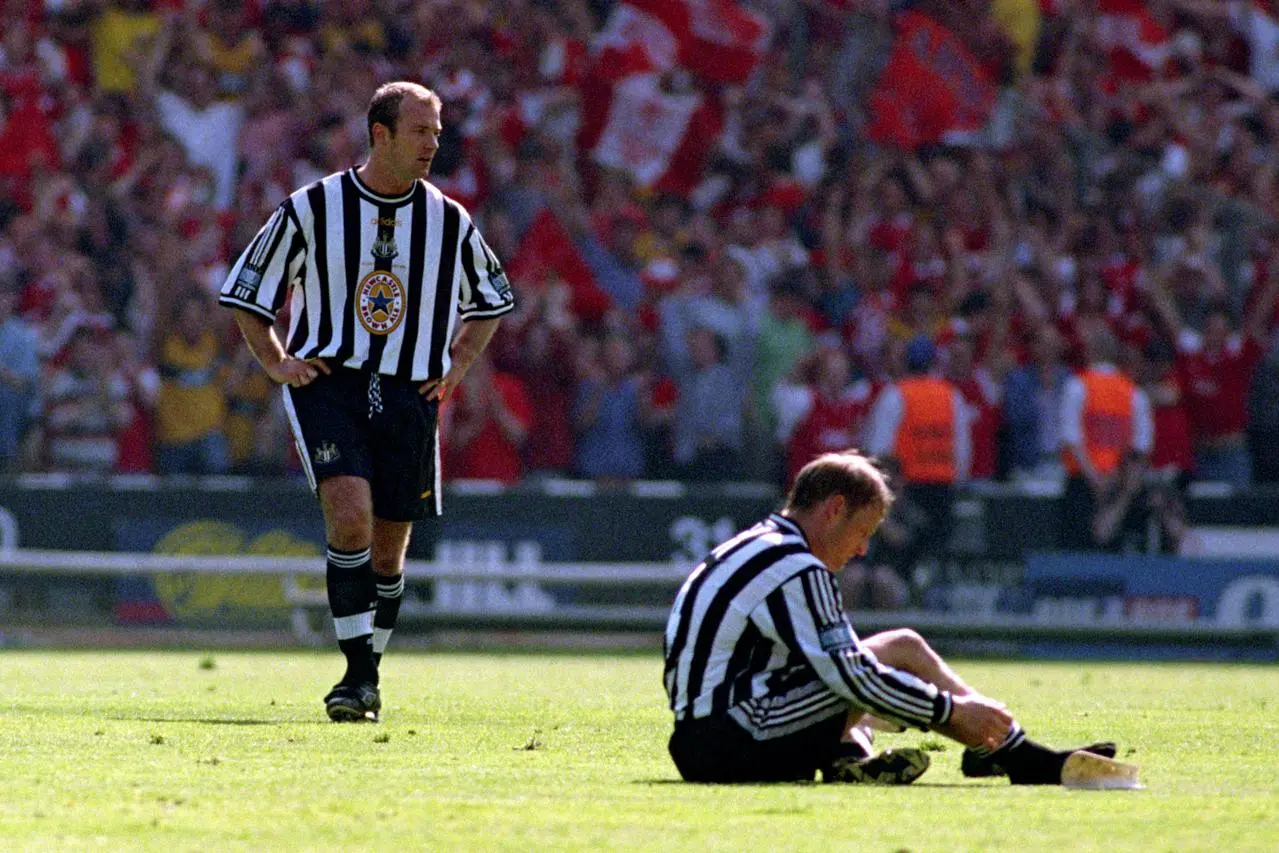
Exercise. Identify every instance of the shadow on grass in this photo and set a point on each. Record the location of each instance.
(681, 782)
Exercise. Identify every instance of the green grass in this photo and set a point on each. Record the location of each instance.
(183, 751)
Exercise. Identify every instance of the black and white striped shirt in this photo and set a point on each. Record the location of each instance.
(377, 282)
(758, 632)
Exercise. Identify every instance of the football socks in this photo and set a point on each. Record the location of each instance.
(390, 591)
(352, 601)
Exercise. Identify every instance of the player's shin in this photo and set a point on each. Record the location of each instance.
(390, 591)
(352, 601)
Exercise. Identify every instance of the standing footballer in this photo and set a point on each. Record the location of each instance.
(381, 265)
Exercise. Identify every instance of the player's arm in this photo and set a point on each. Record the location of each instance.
(262, 341)
(484, 297)
(467, 346)
(805, 615)
(256, 287)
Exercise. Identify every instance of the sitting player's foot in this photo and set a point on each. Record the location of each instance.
(977, 766)
(353, 703)
(1034, 764)
(890, 767)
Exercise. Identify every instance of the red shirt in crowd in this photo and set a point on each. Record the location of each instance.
(830, 425)
(1216, 384)
(490, 455)
(892, 235)
(1172, 446)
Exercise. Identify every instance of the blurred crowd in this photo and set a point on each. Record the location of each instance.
(727, 326)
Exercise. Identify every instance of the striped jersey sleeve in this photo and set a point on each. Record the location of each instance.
(259, 281)
(485, 291)
(806, 615)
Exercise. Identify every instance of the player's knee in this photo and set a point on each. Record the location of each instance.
(907, 644)
(350, 524)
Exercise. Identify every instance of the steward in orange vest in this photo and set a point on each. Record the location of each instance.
(1105, 422)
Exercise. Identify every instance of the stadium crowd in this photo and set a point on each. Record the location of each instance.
(714, 286)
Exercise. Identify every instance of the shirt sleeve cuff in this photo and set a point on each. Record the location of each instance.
(232, 302)
(943, 707)
(487, 314)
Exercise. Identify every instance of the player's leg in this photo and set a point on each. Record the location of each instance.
(348, 523)
(390, 544)
(906, 650)
(324, 419)
(720, 750)
(406, 488)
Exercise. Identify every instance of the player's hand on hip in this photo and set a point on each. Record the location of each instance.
(440, 389)
(296, 372)
(977, 720)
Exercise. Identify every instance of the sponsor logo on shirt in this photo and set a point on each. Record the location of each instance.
(380, 302)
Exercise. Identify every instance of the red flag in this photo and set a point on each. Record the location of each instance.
(662, 139)
(931, 85)
(633, 41)
(548, 247)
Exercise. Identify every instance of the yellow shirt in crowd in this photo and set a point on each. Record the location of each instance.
(116, 34)
(1019, 19)
(192, 403)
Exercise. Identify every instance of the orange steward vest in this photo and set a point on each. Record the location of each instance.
(925, 444)
(1107, 422)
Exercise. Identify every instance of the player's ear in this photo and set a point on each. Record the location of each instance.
(835, 506)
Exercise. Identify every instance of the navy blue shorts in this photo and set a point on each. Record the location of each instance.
(717, 749)
(379, 428)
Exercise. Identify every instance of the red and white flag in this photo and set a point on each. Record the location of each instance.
(628, 121)
(660, 138)
(717, 40)
(1138, 45)
(725, 42)
(634, 40)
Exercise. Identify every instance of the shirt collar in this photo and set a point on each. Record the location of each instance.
(378, 197)
(788, 525)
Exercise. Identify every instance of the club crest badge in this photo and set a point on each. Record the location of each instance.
(380, 302)
(327, 452)
(386, 248)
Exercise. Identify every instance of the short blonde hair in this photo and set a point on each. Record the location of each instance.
(384, 106)
(850, 473)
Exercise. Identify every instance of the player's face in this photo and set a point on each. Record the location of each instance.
(852, 532)
(416, 139)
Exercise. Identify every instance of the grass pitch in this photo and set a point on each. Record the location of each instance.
(181, 751)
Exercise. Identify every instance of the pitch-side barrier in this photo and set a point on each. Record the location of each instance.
(469, 588)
